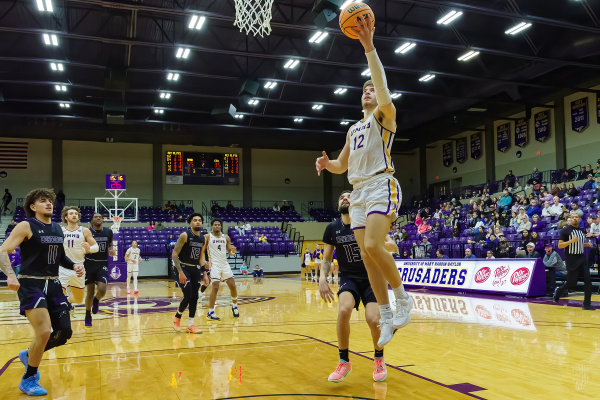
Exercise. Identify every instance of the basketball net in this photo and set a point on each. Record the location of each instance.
(116, 224)
(253, 16)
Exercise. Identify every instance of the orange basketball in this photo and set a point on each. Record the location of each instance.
(349, 15)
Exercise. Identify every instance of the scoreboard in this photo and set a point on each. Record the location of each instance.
(115, 182)
(190, 168)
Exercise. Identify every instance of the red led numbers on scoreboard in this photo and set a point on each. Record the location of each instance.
(174, 162)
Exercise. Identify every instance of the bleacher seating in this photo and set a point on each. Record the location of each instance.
(323, 214)
(246, 243)
(257, 215)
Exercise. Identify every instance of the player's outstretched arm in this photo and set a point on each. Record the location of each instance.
(21, 232)
(175, 256)
(387, 111)
(324, 289)
(90, 244)
(338, 166)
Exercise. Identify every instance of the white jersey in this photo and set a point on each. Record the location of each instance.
(217, 249)
(72, 244)
(370, 150)
(134, 255)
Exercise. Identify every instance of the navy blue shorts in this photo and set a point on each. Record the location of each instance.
(96, 272)
(42, 293)
(192, 273)
(360, 289)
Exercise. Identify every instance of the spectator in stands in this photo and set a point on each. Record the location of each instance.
(536, 224)
(572, 191)
(503, 247)
(244, 268)
(456, 231)
(167, 206)
(554, 191)
(491, 243)
(284, 234)
(425, 248)
(505, 201)
(262, 238)
(247, 227)
(160, 226)
(509, 180)
(414, 251)
(256, 238)
(478, 235)
(563, 190)
(530, 253)
(593, 234)
(405, 255)
(596, 171)
(469, 253)
(556, 208)
(525, 225)
(276, 207)
(546, 209)
(258, 272)
(404, 235)
(215, 208)
(419, 219)
(151, 226)
(397, 235)
(539, 244)
(555, 266)
(487, 223)
(589, 184)
(437, 228)
(514, 220)
(424, 227)
(581, 175)
(489, 255)
(534, 209)
(6, 199)
(9, 228)
(174, 206)
(475, 220)
(545, 196)
(490, 231)
(437, 214)
(439, 253)
(525, 238)
(575, 209)
(596, 184)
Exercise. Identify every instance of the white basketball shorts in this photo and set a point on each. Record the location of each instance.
(379, 194)
(220, 272)
(133, 267)
(68, 277)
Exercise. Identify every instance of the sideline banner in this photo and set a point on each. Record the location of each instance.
(524, 277)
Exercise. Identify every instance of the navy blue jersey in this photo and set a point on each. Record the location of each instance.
(104, 238)
(347, 251)
(43, 252)
(190, 252)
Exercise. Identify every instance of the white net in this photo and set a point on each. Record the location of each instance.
(116, 224)
(253, 16)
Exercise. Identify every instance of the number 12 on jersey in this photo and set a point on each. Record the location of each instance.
(358, 142)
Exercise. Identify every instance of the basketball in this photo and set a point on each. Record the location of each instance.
(349, 16)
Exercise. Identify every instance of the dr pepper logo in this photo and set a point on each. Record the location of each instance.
(501, 272)
(519, 276)
(483, 274)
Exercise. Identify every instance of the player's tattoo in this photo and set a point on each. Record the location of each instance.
(326, 268)
(178, 246)
(5, 263)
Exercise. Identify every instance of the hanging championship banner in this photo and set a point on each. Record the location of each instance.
(598, 108)
(542, 126)
(476, 146)
(461, 150)
(447, 154)
(521, 132)
(579, 115)
(503, 137)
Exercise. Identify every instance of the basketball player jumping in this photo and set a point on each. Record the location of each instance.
(190, 268)
(218, 245)
(132, 256)
(376, 195)
(40, 294)
(354, 287)
(96, 268)
(78, 242)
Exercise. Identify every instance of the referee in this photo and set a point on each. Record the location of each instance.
(572, 240)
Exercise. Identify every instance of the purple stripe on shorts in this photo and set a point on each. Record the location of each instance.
(389, 197)
(377, 212)
(359, 227)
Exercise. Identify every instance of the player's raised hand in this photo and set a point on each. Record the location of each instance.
(325, 291)
(13, 283)
(321, 163)
(86, 246)
(365, 31)
(79, 269)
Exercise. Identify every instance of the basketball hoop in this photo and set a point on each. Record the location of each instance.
(116, 224)
(253, 16)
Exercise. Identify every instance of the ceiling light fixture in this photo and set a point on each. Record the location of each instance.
(396, 95)
(318, 37)
(172, 77)
(238, 116)
(270, 85)
(164, 95)
(366, 72)
(64, 105)
(476, 109)
(298, 120)
(50, 39)
(45, 5)
(405, 48)
(426, 78)
(448, 18)
(159, 111)
(196, 23)
(344, 122)
(56, 67)
(340, 91)
(317, 106)
(518, 28)
(182, 53)
(253, 102)
(291, 64)
(468, 56)
(60, 88)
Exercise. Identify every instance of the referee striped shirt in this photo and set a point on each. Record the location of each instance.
(568, 233)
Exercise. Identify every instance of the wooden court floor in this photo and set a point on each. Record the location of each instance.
(283, 346)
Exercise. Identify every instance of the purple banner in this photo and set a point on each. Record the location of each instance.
(447, 154)
(542, 126)
(461, 150)
(579, 115)
(476, 146)
(521, 132)
(503, 137)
